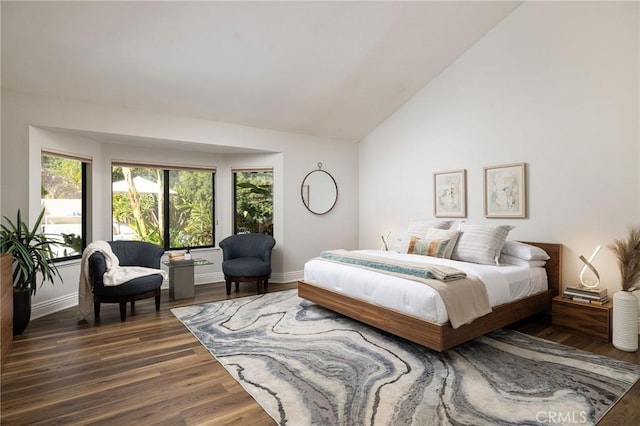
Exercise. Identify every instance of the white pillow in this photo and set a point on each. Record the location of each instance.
(506, 259)
(480, 244)
(450, 234)
(524, 251)
(417, 228)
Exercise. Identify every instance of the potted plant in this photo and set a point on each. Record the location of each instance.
(32, 253)
(625, 304)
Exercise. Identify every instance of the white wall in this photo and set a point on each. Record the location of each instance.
(30, 123)
(555, 85)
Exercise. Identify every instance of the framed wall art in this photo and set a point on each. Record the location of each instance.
(505, 191)
(450, 193)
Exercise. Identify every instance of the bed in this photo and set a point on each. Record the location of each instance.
(436, 335)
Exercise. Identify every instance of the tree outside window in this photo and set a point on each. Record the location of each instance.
(63, 200)
(253, 201)
(169, 208)
(191, 208)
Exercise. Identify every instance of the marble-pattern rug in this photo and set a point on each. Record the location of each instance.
(306, 365)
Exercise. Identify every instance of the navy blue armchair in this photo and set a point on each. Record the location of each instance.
(247, 258)
(129, 253)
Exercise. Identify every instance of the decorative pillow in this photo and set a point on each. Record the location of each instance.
(506, 259)
(524, 251)
(425, 247)
(419, 228)
(451, 234)
(480, 244)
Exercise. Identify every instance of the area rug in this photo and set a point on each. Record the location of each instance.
(306, 365)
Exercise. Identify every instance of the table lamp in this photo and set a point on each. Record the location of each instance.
(588, 265)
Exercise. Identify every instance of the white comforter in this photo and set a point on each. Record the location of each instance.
(504, 284)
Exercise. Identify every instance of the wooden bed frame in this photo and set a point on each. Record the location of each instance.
(436, 336)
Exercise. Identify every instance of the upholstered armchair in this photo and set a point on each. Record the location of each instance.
(247, 258)
(129, 253)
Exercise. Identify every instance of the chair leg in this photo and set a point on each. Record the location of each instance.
(96, 310)
(123, 311)
(133, 306)
(260, 286)
(228, 283)
(237, 287)
(266, 285)
(158, 300)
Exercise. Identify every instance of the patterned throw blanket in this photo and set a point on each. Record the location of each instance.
(465, 297)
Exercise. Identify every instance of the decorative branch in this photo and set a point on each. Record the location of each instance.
(628, 257)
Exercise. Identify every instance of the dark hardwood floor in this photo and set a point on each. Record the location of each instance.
(151, 370)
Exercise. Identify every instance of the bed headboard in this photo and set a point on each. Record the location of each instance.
(553, 266)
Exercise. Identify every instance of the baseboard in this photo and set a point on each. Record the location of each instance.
(47, 307)
(214, 277)
(279, 278)
(286, 277)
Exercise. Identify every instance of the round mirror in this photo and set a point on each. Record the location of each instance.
(319, 192)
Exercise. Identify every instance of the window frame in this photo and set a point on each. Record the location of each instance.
(84, 170)
(234, 183)
(165, 226)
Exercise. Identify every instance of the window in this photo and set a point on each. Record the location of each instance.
(253, 201)
(191, 208)
(173, 208)
(64, 199)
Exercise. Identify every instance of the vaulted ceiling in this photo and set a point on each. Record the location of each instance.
(330, 69)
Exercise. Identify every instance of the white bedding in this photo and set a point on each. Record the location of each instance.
(504, 283)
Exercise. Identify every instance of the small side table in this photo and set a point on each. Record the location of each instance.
(583, 318)
(181, 277)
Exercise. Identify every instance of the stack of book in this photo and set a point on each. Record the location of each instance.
(176, 256)
(595, 296)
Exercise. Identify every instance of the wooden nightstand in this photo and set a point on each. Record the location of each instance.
(583, 318)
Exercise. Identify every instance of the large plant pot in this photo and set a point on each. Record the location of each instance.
(21, 310)
(625, 321)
